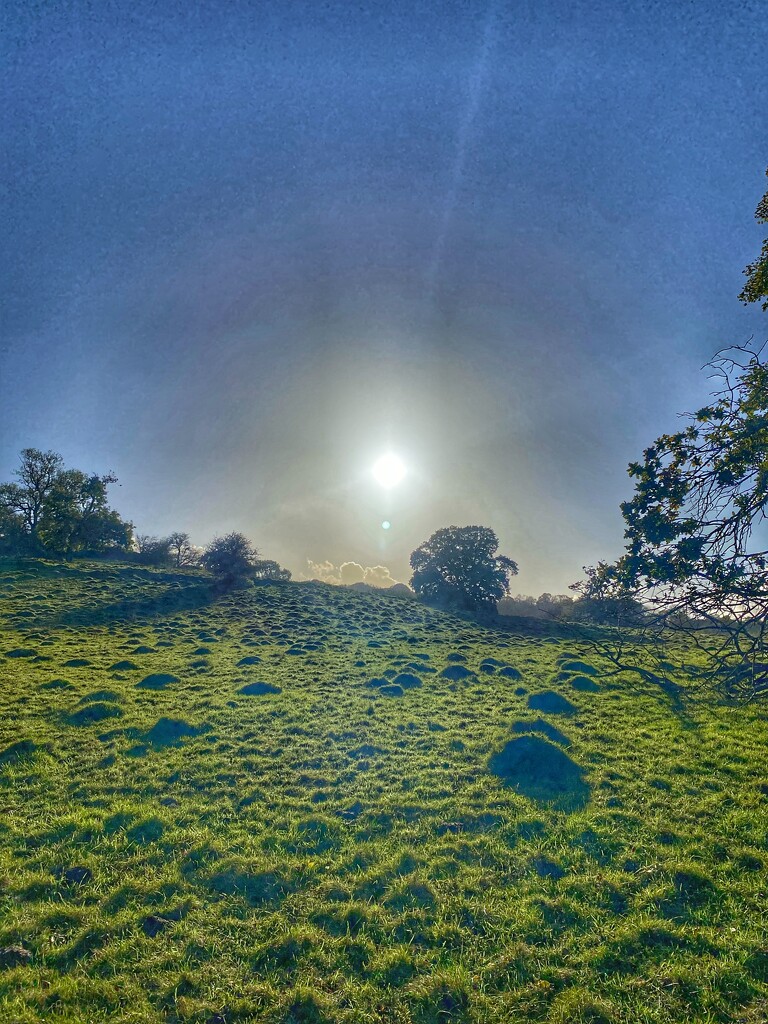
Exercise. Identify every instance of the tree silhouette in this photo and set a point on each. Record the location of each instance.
(693, 556)
(268, 569)
(230, 557)
(458, 568)
(182, 550)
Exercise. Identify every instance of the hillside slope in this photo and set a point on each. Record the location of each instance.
(300, 803)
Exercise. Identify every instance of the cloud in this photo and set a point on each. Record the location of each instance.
(348, 573)
(324, 571)
(351, 572)
(378, 576)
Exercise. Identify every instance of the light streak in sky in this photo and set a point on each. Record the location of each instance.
(465, 136)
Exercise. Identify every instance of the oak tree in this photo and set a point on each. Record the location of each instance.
(458, 568)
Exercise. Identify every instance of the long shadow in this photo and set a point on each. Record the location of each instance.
(197, 595)
(542, 772)
(533, 626)
(675, 694)
(106, 570)
(672, 691)
(174, 591)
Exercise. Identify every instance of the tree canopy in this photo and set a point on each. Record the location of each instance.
(458, 568)
(268, 569)
(693, 555)
(57, 511)
(697, 549)
(756, 287)
(234, 558)
(231, 556)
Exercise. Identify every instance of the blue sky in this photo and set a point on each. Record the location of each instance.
(249, 247)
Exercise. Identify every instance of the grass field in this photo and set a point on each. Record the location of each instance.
(300, 803)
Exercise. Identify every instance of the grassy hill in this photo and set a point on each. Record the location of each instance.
(301, 803)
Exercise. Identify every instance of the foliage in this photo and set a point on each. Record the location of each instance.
(14, 538)
(604, 601)
(546, 606)
(230, 557)
(693, 556)
(599, 609)
(555, 606)
(267, 569)
(756, 287)
(58, 511)
(26, 502)
(176, 549)
(458, 568)
(153, 550)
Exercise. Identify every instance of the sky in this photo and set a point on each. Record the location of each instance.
(249, 247)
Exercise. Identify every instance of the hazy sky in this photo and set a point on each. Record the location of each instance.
(248, 247)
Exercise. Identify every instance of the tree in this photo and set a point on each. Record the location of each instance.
(693, 557)
(13, 539)
(230, 557)
(182, 550)
(458, 568)
(604, 601)
(58, 511)
(153, 550)
(756, 287)
(555, 606)
(266, 569)
(26, 501)
(77, 517)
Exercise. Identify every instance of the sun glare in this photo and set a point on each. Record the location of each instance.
(389, 470)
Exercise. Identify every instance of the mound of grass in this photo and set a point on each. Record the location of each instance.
(550, 702)
(540, 770)
(455, 672)
(157, 681)
(406, 680)
(584, 684)
(168, 731)
(95, 712)
(259, 689)
(508, 672)
(18, 751)
(545, 728)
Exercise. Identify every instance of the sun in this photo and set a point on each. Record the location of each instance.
(388, 470)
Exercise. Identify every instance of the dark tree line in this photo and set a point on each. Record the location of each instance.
(53, 512)
(597, 610)
(233, 558)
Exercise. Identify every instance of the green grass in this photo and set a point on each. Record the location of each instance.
(338, 849)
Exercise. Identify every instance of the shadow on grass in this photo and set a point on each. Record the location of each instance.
(606, 642)
(542, 772)
(180, 598)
